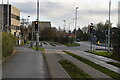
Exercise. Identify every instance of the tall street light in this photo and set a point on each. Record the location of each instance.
(37, 32)
(64, 21)
(38, 10)
(2, 21)
(76, 21)
(109, 26)
(7, 15)
(28, 20)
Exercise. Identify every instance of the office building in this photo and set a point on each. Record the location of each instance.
(10, 19)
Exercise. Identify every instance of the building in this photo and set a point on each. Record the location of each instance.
(43, 24)
(119, 14)
(10, 19)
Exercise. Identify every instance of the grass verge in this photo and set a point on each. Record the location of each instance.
(42, 49)
(96, 66)
(73, 70)
(72, 44)
(114, 64)
(38, 45)
(104, 53)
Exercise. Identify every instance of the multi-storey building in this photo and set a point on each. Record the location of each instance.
(10, 19)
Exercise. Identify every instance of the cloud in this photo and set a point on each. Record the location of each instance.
(27, 7)
(58, 10)
(88, 12)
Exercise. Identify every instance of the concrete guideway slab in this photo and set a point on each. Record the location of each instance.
(26, 63)
(86, 68)
(95, 60)
(55, 69)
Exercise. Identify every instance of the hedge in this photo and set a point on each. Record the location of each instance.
(8, 44)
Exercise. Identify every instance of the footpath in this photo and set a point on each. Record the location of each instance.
(25, 63)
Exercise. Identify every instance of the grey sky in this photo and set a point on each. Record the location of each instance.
(58, 10)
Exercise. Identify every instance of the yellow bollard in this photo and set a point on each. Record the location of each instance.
(98, 42)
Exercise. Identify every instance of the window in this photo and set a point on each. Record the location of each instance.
(15, 17)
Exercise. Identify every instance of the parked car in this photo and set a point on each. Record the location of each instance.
(77, 40)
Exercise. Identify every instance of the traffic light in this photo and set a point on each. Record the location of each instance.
(91, 29)
(69, 31)
(36, 26)
(106, 32)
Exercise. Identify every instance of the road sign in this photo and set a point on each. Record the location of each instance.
(69, 34)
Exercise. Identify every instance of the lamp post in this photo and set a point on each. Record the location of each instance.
(109, 27)
(37, 32)
(76, 21)
(64, 21)
(2, 21)
(28, 20)
(7, 15)
(91, 35)
(69, 25)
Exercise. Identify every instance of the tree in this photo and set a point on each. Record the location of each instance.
(115, 42)
(101, 28)
(100, 32)
(85, 29)
(79, 34)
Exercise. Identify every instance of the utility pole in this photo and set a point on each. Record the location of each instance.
(64, 24)
(7, 15)
(32, 37)
(2, 21)
(28, 21)
(91, 35)
(64, 21)
(38, 10)
(37, 32)
(69, 25)
(109, 27)
(75, 22)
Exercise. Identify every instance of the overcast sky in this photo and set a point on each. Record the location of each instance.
(58, 10)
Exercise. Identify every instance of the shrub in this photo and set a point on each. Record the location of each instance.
(8, 44)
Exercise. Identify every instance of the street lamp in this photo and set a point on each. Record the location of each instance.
(37, 32)
(91, 34)
(7, 15)
(64, 24)
(76, 21)
(28, 20)
(2, 21)
(109, 27)
(69, 25)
